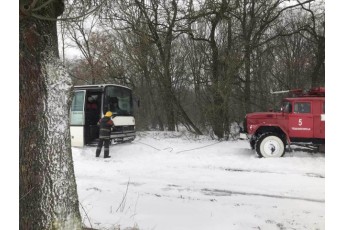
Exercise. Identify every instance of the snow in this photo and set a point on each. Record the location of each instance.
(173, 180)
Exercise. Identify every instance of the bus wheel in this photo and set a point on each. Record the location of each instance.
(270, 145)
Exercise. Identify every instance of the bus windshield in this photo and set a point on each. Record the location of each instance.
(118, 100)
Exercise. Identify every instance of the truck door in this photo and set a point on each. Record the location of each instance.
(301, 120)
(77, 118)
(319, 120)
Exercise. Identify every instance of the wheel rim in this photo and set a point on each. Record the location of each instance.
(272, 146)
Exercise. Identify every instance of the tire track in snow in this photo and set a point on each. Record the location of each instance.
(218, 192)
(259, 171)
(223, 192)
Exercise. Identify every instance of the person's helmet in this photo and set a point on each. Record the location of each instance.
(108, 114)
(90, 99)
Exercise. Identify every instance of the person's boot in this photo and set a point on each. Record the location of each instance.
(99, 148)
(106, 149)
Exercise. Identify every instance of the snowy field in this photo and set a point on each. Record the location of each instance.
(175, 181)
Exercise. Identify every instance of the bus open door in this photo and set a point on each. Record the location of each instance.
(77, 119)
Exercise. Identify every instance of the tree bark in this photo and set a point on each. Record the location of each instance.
(217, 113)
(47, 187)
(247, 81)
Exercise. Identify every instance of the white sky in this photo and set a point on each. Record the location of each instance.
(334, 74)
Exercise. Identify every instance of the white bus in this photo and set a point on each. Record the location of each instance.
(91, 102)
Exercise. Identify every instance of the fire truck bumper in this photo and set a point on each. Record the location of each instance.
(244, 136)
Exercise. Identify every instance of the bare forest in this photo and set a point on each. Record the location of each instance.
(201, 64)
(198, 64)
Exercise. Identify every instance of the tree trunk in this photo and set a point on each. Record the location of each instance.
(217, 112)
(47, 186)
(247, 81)
(169, 108)
(318, 73)
(184, 115)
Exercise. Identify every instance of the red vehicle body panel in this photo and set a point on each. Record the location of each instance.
(305, 120)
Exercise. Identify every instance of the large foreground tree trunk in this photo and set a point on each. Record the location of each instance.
(48, 191)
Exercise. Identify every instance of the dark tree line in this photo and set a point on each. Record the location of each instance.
(201, 64)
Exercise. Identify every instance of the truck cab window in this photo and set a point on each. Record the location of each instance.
(302, 107)
(287, 107)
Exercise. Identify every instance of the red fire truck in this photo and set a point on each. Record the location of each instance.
(301, 120)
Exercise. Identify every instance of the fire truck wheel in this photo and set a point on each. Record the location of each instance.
(270, 145)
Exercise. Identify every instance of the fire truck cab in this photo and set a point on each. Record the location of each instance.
(301, 120)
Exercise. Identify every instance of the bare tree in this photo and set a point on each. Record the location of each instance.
(161, 23)
(211, 15)
(256, 19)
(81, 32)
(208, 61)
(48, 192)
(315, 33)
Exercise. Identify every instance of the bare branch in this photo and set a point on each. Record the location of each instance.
(67, 18)
(41, 6)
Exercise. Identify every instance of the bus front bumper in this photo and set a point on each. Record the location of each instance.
(130, 135)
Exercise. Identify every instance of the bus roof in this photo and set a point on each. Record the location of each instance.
(99, 86)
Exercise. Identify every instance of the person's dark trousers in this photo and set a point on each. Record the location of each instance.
(106, 147)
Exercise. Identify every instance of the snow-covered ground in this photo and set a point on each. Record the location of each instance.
(175, 181)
